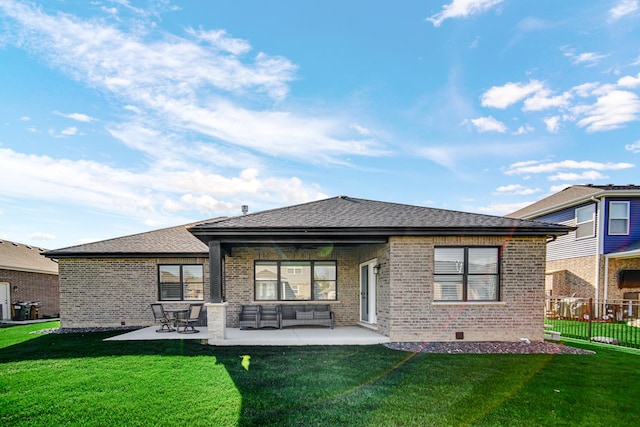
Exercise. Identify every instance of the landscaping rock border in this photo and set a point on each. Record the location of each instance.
(487, 347)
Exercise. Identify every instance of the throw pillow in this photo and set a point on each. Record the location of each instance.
(322, 315)
(304, 315)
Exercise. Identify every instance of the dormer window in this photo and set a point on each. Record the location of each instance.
(619, 218)
(585, 221)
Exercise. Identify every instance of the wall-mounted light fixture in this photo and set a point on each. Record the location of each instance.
(376, 268)
(15, 288)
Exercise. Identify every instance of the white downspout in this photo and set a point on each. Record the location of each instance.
(600, 250)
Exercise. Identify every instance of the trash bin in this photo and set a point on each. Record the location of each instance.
(18, 312)
(26, 311)
(35, 309)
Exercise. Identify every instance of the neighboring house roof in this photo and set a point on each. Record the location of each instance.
(365, 220)
(20, 257)
(173, 241)
(572, 196)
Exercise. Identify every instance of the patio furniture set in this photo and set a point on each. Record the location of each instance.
(283, 315)
(173, 319)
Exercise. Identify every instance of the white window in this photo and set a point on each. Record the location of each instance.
(619, 218)
(585, 221)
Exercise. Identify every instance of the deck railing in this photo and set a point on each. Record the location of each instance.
(611, 321)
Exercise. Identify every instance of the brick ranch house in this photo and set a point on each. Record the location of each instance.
(411, 273)
(27, 276)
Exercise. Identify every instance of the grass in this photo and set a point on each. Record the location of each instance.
(628, 336)
(79, 379)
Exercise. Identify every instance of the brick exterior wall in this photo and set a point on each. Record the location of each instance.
(573, 276)
(414, 317)
(34, 287)
(406, 311)
(615, 265)
(111, 292)
(239, 280)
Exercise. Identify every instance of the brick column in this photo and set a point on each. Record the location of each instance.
(216, 321)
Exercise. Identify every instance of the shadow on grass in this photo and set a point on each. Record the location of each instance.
(351, 385)
(310, 385)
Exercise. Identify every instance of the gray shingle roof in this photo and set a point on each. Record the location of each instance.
(19, 257)
(173, 241)
(351, 213)
(572, 196)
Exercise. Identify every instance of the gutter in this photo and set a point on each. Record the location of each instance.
(599, 251)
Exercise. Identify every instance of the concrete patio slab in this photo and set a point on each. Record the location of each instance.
(347, 335)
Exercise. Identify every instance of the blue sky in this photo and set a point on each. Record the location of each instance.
(118, 117)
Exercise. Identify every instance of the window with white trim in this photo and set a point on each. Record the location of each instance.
(466, 274)
(619, 218)
(585, 221)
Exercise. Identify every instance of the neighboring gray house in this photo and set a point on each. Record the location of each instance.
(601, 258)
(411, 273)
(27, 276)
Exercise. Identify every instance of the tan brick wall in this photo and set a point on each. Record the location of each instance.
(519, 314)
(34, 287)
(615, 265)
(406, 311)
(239, 283)
(104, 292)
(573, 276)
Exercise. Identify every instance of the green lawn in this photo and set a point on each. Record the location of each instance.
(628, 336)
(78, 379)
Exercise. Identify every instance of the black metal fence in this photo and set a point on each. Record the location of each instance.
(612, 321)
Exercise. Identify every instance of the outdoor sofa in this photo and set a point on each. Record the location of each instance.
(306, 314)
(280, 316)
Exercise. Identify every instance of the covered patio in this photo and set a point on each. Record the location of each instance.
(346, 335)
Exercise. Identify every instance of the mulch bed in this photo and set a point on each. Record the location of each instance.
(486, 347)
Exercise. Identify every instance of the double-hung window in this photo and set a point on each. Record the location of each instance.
(585, 221)
(295, 280)
(181, 282)
(619, 218)
(466, 274)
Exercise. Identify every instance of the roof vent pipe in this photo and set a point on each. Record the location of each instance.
(245, 209)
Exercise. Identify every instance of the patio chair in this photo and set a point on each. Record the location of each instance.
(248, 317)
(160, 316)
(269, 316)
(189, 320)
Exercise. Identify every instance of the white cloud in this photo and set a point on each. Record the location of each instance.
(523, 130)
(588, 59)
(42, 236)
(553, 124)
(462, 9)
(515, 190)
(622, 8)
(572, 176)
(542, 100)
(361, 129)
(610, 111)
(70, 131)
(76, 116)
(186, 85)
(634, 148)
(629, 81)
(221, 40)
(510, 93)
(502, 208)
(535, 166)
(487, 124)
(145, 193)
(25, 118)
